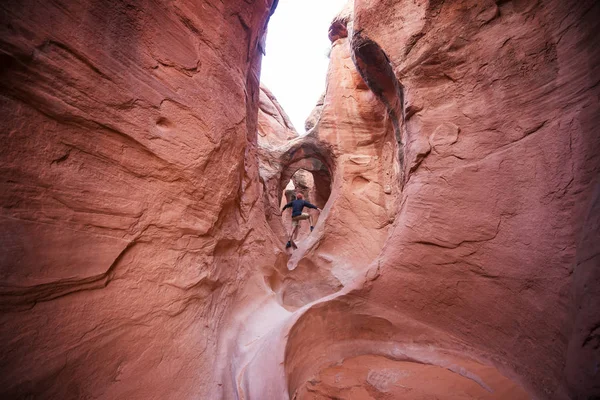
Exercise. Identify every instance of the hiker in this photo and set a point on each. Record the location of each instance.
(297, 216)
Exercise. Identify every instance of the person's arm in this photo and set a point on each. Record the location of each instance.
(286, 206)
(310, 205)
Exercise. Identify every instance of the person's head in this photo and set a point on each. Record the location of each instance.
(299, 196)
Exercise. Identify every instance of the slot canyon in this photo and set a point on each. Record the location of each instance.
(455, 155)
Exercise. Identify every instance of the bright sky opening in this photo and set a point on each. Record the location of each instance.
(295, 66)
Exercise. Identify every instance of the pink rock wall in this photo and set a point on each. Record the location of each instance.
(351, 151)
(489, 266)
(142, 169)
(504, 127)
(274, 131)
(129, 188)
(274, 125)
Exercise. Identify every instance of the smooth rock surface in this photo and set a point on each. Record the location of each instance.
(129, 190)
(143, 169)
(492, 110)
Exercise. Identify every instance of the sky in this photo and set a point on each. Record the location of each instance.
(295, 65)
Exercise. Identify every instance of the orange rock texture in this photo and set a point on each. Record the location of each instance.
(455, 153)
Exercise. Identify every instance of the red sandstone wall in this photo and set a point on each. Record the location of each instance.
(485, 244)
(490, 262)
(142, 246)
(129, 186)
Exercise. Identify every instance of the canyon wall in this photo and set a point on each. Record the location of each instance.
(129, 193)
(501, 104)
(142, 171)
(489, 268)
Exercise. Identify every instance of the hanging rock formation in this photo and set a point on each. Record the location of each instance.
(142, 171)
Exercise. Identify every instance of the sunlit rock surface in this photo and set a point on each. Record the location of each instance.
(456, 153)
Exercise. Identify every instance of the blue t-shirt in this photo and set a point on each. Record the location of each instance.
(297, 206)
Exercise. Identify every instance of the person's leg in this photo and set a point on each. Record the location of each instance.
(294, 225)
(312, 225)
(291, 237)
(295, 232)
(302, 218)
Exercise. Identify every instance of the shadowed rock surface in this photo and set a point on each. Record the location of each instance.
(129, 194)
(457, 152)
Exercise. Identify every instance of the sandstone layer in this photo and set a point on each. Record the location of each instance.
(129, 194)
(487, 264)
(143, 167)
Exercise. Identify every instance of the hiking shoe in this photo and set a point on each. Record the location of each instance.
(311, 228)
(288, 245)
